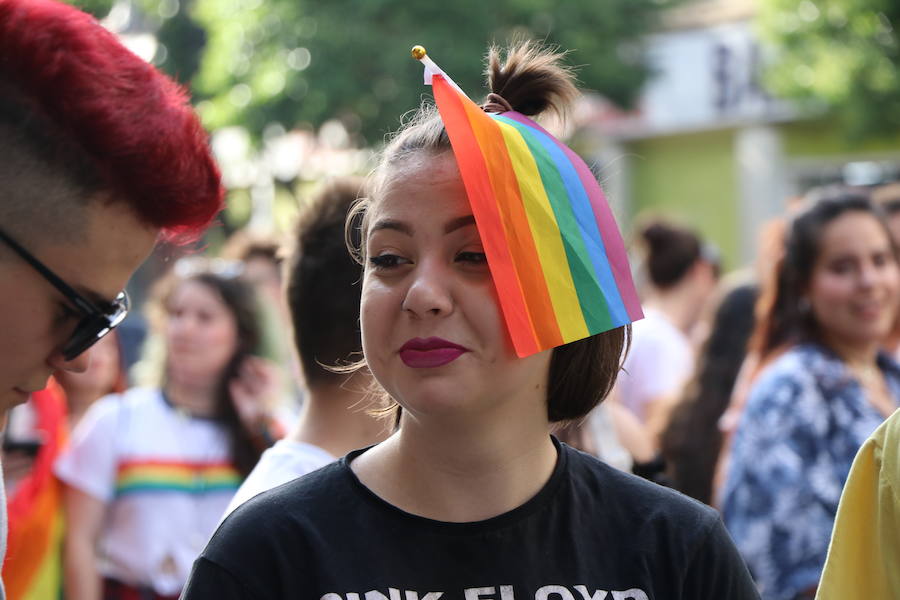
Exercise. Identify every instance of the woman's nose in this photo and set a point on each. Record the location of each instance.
(869, 274)
(429, 291)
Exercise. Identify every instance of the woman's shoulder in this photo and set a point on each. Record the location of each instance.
(800, 369)
(109, 408)
(276, 529)
(627, 498)
(886, 442)
(799, 362)
(299, 502)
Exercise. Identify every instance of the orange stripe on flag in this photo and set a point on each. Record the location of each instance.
(478, 188)
(519, 235)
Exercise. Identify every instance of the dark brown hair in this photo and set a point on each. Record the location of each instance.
(81, 110)
(671, 252)
(887, 196)
(244, 245)
(532, 80)
(323, 284)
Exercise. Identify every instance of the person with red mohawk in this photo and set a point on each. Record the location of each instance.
(101, 156)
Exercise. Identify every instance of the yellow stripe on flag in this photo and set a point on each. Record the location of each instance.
(547, 238)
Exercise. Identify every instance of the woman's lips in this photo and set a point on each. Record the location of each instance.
(429, 353)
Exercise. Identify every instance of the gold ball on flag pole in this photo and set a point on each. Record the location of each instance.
(418, 52)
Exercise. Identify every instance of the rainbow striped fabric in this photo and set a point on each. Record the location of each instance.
(33, 567)
(175, 476)
(552, 244)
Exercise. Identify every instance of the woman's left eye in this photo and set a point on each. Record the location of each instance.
(475, 258)
(386, 262)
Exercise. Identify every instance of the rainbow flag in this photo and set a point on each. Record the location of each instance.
(33, 567)
(552, 244)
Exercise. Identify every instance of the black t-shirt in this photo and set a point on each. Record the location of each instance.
(591, 533)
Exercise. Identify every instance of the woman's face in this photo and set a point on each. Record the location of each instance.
(855, 285)
(101, 376)
(201, 332)
(432, 330)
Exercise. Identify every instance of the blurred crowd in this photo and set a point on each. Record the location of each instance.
(751, 392)
(767, 393)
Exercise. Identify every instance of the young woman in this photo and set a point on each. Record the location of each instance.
(825, 388)
(471, 497)
(681, 280)
(149, 473)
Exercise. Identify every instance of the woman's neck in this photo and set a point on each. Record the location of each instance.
(197, 399)
(678, 307)
(79, 400)
(856, 355)
(460, 472)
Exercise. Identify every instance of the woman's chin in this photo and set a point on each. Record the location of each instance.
(190, 374)
(435, 401)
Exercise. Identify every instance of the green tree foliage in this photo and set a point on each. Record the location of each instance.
(98, 8)
(843, 54)
(292, 62)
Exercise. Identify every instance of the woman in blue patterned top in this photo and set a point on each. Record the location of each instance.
(824, 389)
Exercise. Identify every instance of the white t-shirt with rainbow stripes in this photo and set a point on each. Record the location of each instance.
(165, 478)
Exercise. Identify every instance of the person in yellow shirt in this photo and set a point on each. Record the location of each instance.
(864, 555)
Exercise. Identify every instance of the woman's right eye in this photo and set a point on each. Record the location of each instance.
(387, 261)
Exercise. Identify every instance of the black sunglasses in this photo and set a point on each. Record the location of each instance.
(95, 321)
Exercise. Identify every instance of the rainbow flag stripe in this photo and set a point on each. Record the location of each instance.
(175, 476)
(552, 243)
(33, 567)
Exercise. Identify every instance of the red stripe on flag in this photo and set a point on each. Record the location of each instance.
(477, 182)
(499, 194)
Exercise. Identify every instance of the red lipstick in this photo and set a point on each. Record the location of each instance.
(429, 353)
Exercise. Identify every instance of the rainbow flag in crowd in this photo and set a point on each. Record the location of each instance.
(554, 249)
(176, 476)
(33, 568)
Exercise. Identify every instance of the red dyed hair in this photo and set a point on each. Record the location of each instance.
(135, 125)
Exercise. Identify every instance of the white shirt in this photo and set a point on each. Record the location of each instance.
(284, 461)
(165, 478)
(660, 362)
(606, 441)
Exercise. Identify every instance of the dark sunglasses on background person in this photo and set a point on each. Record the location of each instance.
(96, 320)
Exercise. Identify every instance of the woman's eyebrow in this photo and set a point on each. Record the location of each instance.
(459, 223)
(392, 224)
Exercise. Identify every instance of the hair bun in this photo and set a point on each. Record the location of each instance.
(658, 235)
(532, 78)
(671, 251)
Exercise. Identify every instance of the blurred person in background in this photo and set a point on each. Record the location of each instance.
(887, 196)
(105, 375)
(262, 256)
(682, 274)
(824, 387)
(692, 439)
(149, 473)
(86, 129)
(615, 436)
(323, 288)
